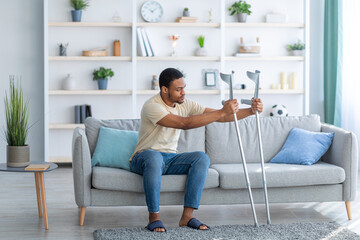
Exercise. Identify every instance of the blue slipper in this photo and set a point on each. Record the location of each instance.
(195, 224)
(155, 224)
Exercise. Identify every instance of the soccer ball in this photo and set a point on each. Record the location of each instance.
(279, 110)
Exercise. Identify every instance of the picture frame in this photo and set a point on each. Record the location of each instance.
(210, 77)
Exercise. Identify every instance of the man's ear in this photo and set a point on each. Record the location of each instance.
(164, 89)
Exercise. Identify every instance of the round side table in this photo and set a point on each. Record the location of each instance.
(39, 184)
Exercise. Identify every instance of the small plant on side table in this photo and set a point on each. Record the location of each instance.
(78, 6)
(241, 9)
(102, 75)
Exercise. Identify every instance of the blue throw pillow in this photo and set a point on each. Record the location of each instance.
(114, 148)
(303, 147)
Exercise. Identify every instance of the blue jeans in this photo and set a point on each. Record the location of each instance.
(152, 164)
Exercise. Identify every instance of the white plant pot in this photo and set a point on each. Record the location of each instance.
(200, 52)
(297, 52)
(242, 17)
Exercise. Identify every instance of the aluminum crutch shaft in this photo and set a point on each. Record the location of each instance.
(263, 167)
(245, 170)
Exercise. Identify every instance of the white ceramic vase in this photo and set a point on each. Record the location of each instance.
(69, 83)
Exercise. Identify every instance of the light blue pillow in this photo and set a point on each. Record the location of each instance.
(114, 148)
(303, 147)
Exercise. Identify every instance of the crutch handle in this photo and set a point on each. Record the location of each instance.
(246, 101)
(223, 102)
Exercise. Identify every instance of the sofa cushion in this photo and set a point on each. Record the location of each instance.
(303, 147)
(222, 144)
(122, 180)
(114, 148)
(279, 175)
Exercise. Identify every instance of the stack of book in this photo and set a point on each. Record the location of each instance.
(144, 43)
(82, 112)
(186, 19)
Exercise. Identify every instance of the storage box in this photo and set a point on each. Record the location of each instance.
(249, 47)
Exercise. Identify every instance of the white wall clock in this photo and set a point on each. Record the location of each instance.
(151, 11)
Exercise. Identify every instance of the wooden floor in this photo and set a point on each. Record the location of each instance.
(19, 215)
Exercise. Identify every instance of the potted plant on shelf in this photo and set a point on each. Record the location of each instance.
(16, 132)
(186, 12)
(78, 6)
(201, 51)
(102, 75)
(241, 9)
(296, 49)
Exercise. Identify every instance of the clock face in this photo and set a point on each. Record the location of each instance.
(151, 11)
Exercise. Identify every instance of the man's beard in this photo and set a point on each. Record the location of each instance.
(169, 96)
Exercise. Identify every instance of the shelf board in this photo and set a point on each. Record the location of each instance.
(90, 92)
(176, 24)
(60, 159)
(85, 58)
(265, 25)
(65, 125)
(182, 58)
(266, 58)
(189, 92)
(90, 24)
(268, 91)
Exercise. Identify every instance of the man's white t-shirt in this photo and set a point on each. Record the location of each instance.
(159, 138)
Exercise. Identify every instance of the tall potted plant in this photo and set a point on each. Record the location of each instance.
(241, 9)
(102, 75)
(78, 6)
(16, 132)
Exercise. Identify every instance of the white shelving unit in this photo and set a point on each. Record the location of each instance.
(134, 93)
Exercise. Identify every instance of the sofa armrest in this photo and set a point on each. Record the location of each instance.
(81, 164)
(344, 153)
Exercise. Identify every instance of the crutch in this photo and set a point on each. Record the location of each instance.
(228, 79)
(255, 78)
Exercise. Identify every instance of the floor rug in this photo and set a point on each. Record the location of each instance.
(298, 231)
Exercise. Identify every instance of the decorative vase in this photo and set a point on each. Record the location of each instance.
(242, 17)
(69, 83)
(102, 83)
(297, 52)
(18, 156)
(117, 50)
(186, 13)
(76, 15)
(200, 52)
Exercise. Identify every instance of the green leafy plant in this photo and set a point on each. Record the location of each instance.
(201, 40)
(296, 46)
(240, 7)
(186, 9)
(102, 73)
(79, 4)
(17, 115)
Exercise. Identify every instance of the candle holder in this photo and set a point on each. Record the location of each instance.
(173, 39)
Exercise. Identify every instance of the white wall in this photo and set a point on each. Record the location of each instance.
(21, 48)
(21, 25)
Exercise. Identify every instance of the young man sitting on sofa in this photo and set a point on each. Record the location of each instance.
(162, 118)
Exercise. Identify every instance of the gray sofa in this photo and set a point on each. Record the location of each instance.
(333, 178)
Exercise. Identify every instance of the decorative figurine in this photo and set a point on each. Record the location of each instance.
(210, 15)
(62, 49)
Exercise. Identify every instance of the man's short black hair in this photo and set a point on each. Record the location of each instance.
(169, 75)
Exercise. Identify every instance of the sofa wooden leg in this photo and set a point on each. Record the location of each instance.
(348, 209)
(82, 215)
